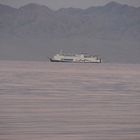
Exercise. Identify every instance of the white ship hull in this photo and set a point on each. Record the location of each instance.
(78, 58)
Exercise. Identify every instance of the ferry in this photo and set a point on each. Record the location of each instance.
(76, 58)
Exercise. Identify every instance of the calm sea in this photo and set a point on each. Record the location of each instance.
(60, 101)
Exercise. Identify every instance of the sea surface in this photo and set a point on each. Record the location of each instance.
(64, 101)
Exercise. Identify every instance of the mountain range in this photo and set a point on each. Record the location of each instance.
(112, 31)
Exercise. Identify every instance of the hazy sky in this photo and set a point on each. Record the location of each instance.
(56, 4)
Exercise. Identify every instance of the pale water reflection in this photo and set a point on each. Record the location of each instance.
(56, 101)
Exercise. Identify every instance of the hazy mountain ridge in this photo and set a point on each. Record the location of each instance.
(34, 32)
(112, 21)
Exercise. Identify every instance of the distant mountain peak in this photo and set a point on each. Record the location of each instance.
(6, 9)
(113, 4)
(33, 6)
(37, 8)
